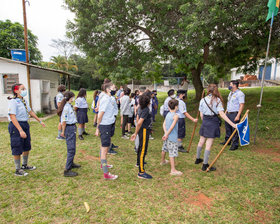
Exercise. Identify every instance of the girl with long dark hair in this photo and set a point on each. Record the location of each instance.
(69, 129)
(19, 129)
(81, 107)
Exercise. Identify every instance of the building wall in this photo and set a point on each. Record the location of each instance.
(6, 68)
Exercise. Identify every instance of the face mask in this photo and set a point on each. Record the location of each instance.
(230, 87)
(113, 92)
(173, 96)
(23, 93)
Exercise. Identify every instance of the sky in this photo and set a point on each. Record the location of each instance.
(45, 18)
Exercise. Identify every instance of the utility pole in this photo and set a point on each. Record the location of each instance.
(26, 51)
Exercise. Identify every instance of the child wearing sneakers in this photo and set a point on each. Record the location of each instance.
(143, 130)
(170, 145)
(105, 123)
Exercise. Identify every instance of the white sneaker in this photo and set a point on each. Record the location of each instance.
(125, 137)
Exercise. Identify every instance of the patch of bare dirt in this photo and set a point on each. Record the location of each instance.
(200, 200)
(88, 157)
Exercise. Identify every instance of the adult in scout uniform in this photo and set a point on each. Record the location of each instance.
(19, 112)
(69, 129)
(182, 112)
(58, 98)
(235, 106)
(209, 107)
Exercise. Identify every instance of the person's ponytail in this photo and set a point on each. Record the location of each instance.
(67, 96)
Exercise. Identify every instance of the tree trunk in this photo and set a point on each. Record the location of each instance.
(197, 81)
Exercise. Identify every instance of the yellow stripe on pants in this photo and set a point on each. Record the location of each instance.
(143, 151)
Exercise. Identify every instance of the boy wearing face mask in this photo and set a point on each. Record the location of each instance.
(19, 129)
(105, 123)
(171, 95)
(69, 129)
(235, 106)
(182, 113)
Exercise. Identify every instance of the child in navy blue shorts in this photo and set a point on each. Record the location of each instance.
(69, 129)
(81, 107)
(143, 129)
(105, 127)
(19, 112)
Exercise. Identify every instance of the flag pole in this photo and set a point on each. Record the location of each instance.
(263, 75)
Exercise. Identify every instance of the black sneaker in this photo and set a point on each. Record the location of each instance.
(197, 161)
(182, 149)
(81, 137)
(114, 146)
(112, 152)
(85, 133)
(74, 165)
(144, 176)
(69, 173)
(205, 166)
(233, 148)
(25, 167)
(21, 173)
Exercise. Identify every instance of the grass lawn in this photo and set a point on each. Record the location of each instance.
(244, 189)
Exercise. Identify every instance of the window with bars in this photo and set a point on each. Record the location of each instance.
(8, 81)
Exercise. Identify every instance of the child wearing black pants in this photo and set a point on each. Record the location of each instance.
(143, 131)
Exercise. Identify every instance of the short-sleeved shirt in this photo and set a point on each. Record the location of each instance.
(59, 97)
(107, 106)
(17, 107)
(114, 101)
(125, 105)
(234, 100)
(173, 136)
(166, 101)
(182, 108)
(146, 115)
(132, 103)
(68, 114)
(216, 105)
(81, 102)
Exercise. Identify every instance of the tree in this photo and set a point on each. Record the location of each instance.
(190, 33)
(64, 47)
(12, 37)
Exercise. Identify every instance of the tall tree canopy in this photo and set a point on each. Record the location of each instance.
(12, 37)
(124, 35)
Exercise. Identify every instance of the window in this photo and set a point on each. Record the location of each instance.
(8, 81)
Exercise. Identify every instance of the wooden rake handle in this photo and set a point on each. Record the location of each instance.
(195, 125)
(233, 133)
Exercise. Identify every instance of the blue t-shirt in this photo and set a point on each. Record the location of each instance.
(16, 107)
(173, 136)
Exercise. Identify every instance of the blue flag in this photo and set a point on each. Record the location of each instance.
(244, 132)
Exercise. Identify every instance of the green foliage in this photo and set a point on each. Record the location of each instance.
(12, 37)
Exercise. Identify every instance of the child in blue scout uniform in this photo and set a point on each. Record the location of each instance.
(235, 106)
(81, 107)
(171, 95)
(182, 112)
(94, 106)
(59, 97)
(105, 123)
(209, 107)
(143, 131)
(170, 145)
(19, 112)
(69, 129)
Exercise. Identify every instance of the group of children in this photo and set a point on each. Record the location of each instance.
(138, 109)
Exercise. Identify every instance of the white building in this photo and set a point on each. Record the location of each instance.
(43, 84)
(272, 71)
